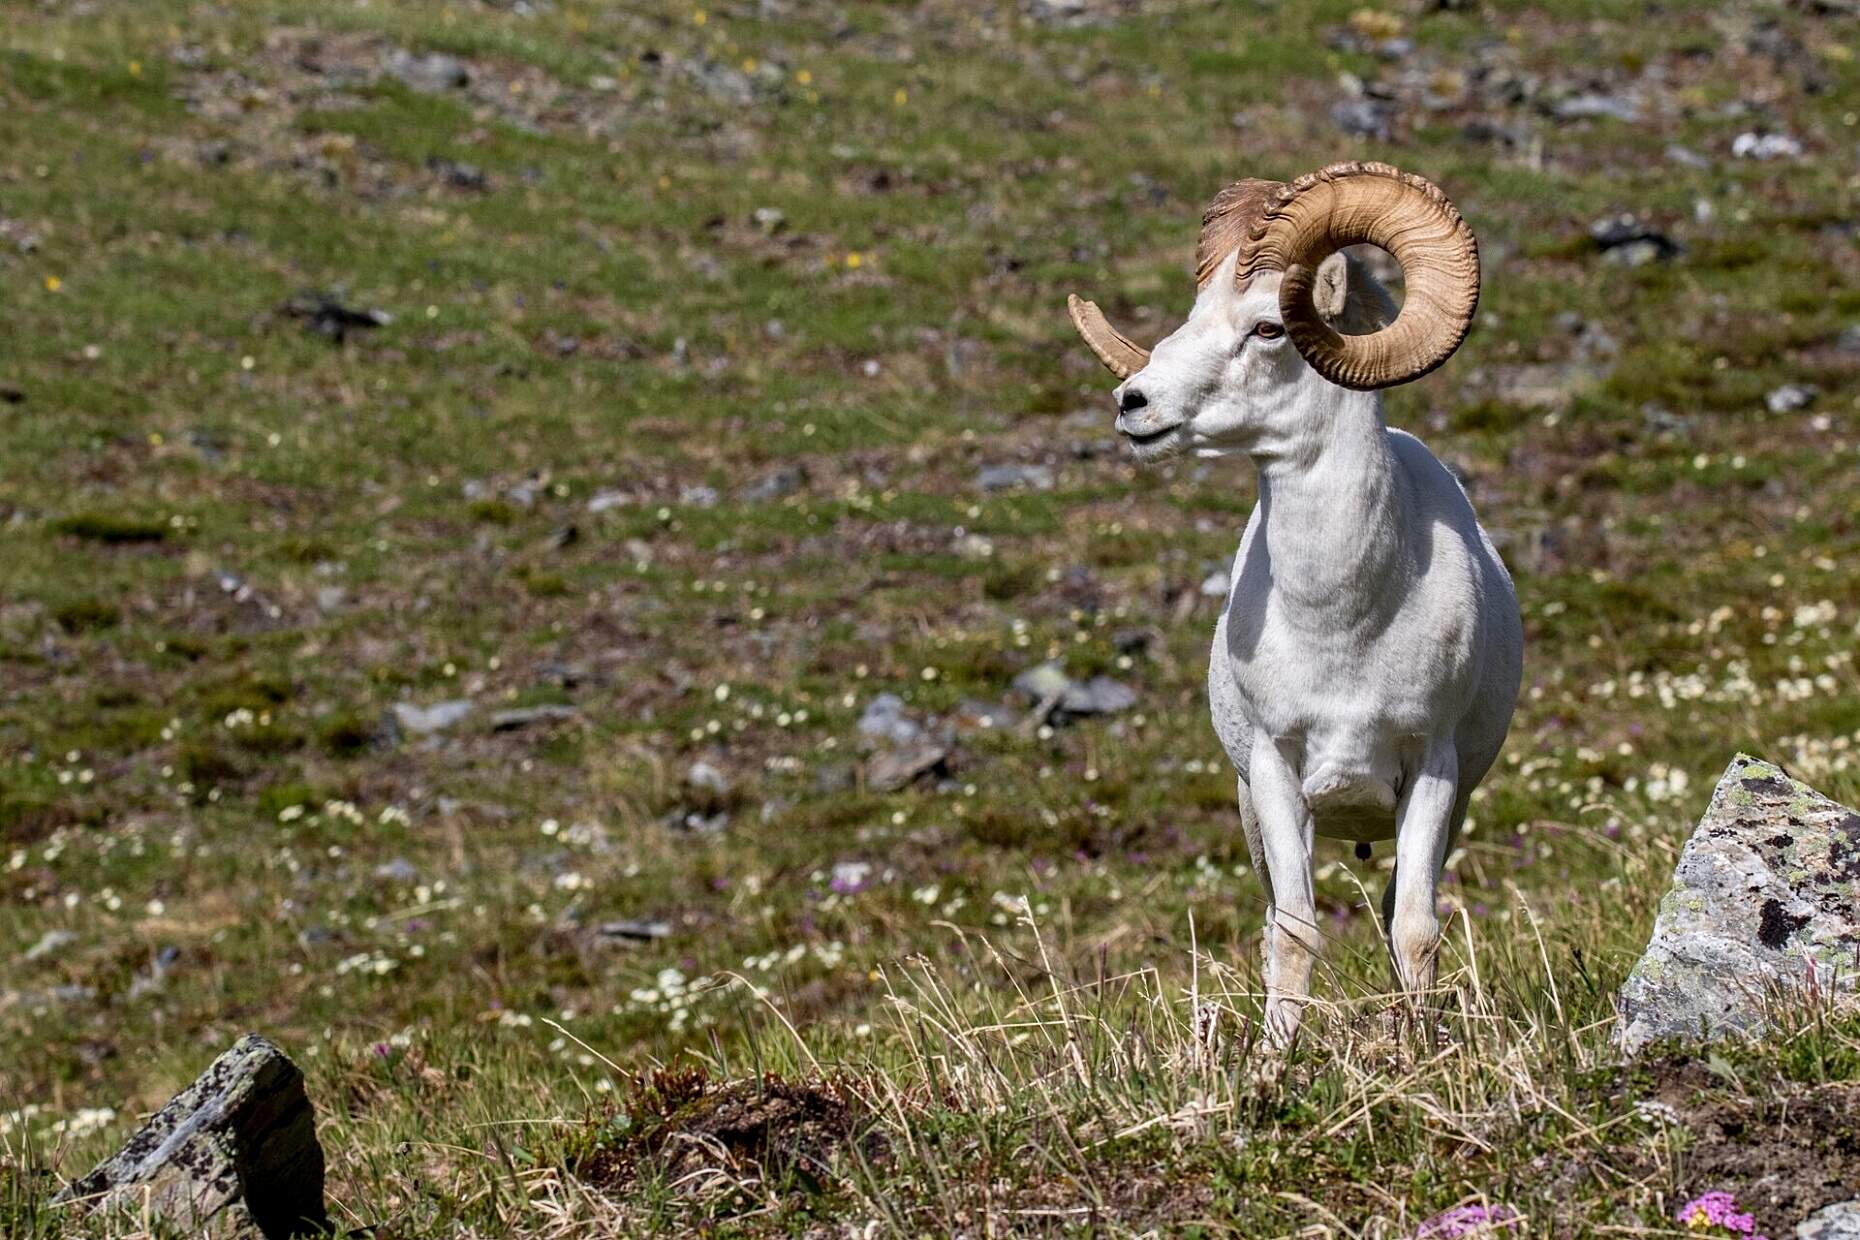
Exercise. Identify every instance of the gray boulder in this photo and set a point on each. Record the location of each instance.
(1840, 1221)
(1765, 901)
(242, 1137)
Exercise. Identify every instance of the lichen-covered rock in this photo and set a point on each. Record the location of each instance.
(1765, 900)
(242, 1135)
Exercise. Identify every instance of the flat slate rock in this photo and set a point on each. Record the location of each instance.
(1765, 900)
(241, 1138)
(890, 770)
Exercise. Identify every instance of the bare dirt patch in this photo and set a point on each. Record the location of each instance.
(768, 1128)
(1783, 1151)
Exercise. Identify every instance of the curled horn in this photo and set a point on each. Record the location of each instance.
(1350, 204)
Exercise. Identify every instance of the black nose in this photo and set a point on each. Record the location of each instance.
(1131, 399)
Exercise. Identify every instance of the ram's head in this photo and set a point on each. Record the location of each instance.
(1272, 274)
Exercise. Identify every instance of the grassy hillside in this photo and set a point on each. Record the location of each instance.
(660, 364)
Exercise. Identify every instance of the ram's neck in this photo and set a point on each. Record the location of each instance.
(1331, 510)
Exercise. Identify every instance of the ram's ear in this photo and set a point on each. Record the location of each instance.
(1350, 299)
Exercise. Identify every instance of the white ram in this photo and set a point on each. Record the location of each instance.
(1366, 665)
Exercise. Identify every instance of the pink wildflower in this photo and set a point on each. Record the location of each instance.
(1470, 1220)
(1718, 1209)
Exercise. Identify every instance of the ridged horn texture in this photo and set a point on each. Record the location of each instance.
(1369, 203)
(1228, 223)
(1114, 349)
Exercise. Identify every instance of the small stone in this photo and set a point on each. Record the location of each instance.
(1100, 695)
(978, 716)
(326, 314)
(1626, 240)
(632, 930)
(432, 73)
(331, 599)
(1791, 397)
(892, 769)
(974, 547)
(399, 870)
(706, 778)
(242, 1135)
(1637, 253)
(885, 719)
(1765, 898)
(1060, 695)
(703, 824)
(152, 979)
(602, 501)
(1008, 477)
(458, 175)
(1663, 421)
(1216, 584)
(426, 720)
(1361, 118)
(1586, 107)
(50, 944)
(528, 716)
(775, 485)
(1840, 1221)
(1765, 146)
(770, 219)
(698, 497)
(1046, 680)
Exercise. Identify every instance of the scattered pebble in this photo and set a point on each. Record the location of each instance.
(426, 720)
(1765, 146)
(776, 484)
(1586, 107)
(1361, 118)
(1007, 477)
(1057, 695)
(399, 870)
(433, 73)
(603, 501)
(706, 778)
(632, 930)
(1628, 242)
(1790, 397)
(325, 314)
(519, 717)
(50, 944)
(892, 769)
(885, 719)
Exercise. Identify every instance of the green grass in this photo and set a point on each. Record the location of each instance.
(233, 545)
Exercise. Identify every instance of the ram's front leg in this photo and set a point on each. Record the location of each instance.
(1423, 829)
(1291, 923)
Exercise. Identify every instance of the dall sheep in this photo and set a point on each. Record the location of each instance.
(1367, 662)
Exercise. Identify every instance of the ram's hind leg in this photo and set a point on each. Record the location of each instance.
(1256, 853)
(1426, 820)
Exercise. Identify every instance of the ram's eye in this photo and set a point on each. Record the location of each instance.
(1266, 330)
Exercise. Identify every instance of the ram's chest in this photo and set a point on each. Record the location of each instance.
(1386, 676)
